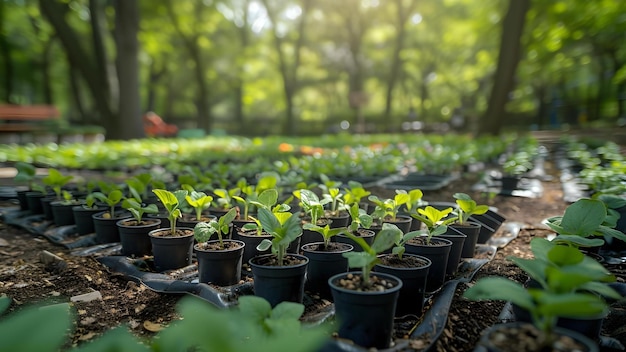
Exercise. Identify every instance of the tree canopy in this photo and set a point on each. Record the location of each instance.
(304, 66)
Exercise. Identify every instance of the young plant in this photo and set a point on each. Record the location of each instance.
(387, 209)
(436, 220)
(327, 232)
(360, 219)
(56, 180)
(266, 200)
(26, 173)
(111, 199)
(284, 228)
(172, 202)
(467, 207)
(582, 224)
(570, 284)
(203, 231)
(199, 201)
(415, 200)
(354, 193)
(311, 204)
(137, 209)
(368, 258)
(225, 197)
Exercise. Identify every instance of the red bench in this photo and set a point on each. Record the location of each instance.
(26, 118)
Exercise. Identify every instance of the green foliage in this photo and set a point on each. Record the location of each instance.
(172, 203)
(284, 228)
(137, 209)
(360, 218)
(388, 236)
(112, 199)
(204, 230)
(225, 198)
(436, 220)
(467, 207)
(582, 224)
(56, 180)
(199, 201)
(251, 326)
(52, 323)
(327, 232)
(389, 208)
(570, 285)
(26, 173)
(354, 193)
(311, 204)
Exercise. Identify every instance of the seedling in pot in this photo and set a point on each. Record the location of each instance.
(327, 232)
(137, 209)
(360, 219)
(312, 206)
(467, 207)
(266, 200)
(436, 220)
(225, 198)
(415, 201)
(570, 285)
(582, 224)
(354, 193)
(199, 201)
(56, 180)
(26, 173)
(203, 231)
(284, 228)
(368, 258)
(112, 199)
(172, 202)
(387, 209)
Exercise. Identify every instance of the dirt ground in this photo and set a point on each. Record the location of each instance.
(25, 279)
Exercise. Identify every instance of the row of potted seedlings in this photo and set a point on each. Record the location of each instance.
(403, 247)
(562, 305)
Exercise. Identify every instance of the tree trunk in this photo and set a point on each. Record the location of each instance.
(75, 93)
(5, 53)
(78, 58)
(402, 15)
(45, 71)
(126, 28)
(510, 52)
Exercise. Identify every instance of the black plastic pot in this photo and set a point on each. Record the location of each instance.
(403, 222)
(454, 258)
(21, 198)
(471, 230)
(34, 202)
(341, 220)
(490, 223)
(134, 238)
(310, 236)
(220, 267)
(411, 298)
(252, 240)
(512, 344)
(509, 183)
(324, 264)
(278, 283)
(47, 207)
(106, 228)
(589, 326)
(367, 235)
(438, 252)
(365, 317)
(171, 252)
(62, 213)
(83, 217)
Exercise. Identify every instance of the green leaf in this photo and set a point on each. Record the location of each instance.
(534, 268)
(264, 245)
(287, 310)
(51, 323)
(583, 217)
(565, 255)
(256, 308)
(118, 339)
(386, 238)
(499, 288)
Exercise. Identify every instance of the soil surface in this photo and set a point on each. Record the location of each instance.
(26, 279)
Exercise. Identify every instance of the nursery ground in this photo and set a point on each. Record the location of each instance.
(26, 280)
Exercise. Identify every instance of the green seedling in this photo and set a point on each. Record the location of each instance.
(368, 258)
(203, 231)
(172, 202)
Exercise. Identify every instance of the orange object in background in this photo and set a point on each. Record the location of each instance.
(154, 126)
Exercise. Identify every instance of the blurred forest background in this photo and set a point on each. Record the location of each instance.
(301, 67)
